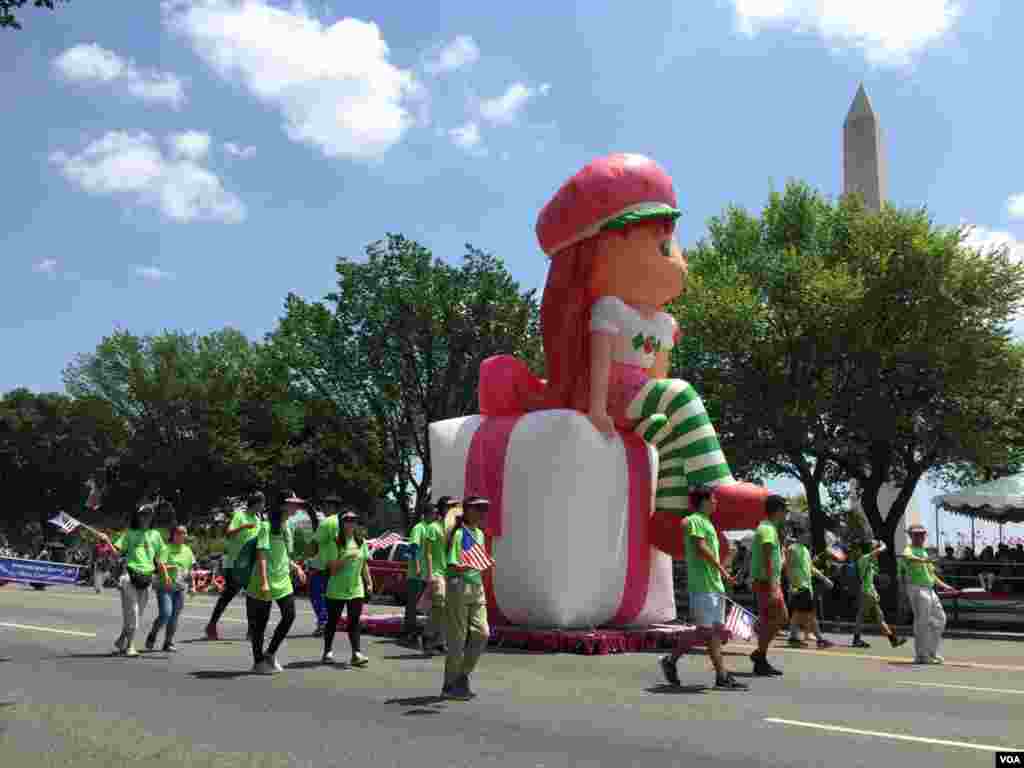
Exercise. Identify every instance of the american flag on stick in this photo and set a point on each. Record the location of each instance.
(384, 541)
(838, 553)
(740, 622)
(65, 522)
(473, 555)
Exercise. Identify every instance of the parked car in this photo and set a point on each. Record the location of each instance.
(388, 568)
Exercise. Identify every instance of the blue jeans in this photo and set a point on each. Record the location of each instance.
(317, 587)
(170, 605)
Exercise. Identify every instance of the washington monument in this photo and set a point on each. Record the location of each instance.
(864, 167)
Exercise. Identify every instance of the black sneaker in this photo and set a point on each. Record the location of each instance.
(763, 669)
(858, 643)
(669, 670)
(729, 683)
(460, 690)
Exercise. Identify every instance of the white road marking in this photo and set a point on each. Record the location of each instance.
(48, 629)
(895, 736)
(961, 687)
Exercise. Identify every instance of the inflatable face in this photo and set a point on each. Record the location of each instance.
(641, 264)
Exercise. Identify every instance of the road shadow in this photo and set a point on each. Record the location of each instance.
(221, 674)
(111, 655)
(676, 690)
(421, 705)
(408, 656)
(315, 665)
(204, 641)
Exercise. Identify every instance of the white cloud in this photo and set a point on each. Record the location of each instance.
(889, 33)
(333, 85)
(191, 145)
(467, 137)
(986, 239)
(545, 89)
(504, 108)
(153, 274)
(239, 151)
(459, 53)
(92, 64)
(47, 266)
(133, 166)
(1015, 206)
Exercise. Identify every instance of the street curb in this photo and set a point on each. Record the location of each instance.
(846, 627)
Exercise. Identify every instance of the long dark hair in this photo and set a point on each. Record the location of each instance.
(275, 513)
(358, 534)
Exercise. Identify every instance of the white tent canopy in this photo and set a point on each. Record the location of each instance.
(1001, 501)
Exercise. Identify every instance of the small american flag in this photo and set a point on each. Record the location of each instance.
(95, 497)
(65, 522)
(741, 622)
(838, 553)
(384, 541)
(473, 555)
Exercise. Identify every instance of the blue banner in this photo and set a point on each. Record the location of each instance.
(38, 571)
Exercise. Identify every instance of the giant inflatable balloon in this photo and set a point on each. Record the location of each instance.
(588, 470)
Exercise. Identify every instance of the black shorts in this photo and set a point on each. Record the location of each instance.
(802, 601)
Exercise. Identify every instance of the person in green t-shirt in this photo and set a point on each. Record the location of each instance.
(870, 606)
(271, 582)
(346, 559)
(242, 529)
(434, 566)
(705, 582)
(416, 582)
(466, 630)
(801, 571)
(326, 530)
(178, 559)
(929, 615)
(141, 546)
(766, 563)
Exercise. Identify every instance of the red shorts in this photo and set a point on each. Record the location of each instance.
(771, 606)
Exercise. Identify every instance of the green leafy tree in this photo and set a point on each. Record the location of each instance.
(7, 7)
(843, 345)
(401, 341)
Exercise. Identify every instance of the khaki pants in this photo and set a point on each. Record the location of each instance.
(929, 621)
(133, 608)
(435, 623)
(466, 628)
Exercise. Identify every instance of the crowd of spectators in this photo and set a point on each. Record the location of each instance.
(995, 569)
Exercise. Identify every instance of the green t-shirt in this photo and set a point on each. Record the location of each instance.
(326, 532)
(179, 559)
(434, 539)
(766, 533)
(800, 568)
(701, 576)
(347, 582)
(867, 568)
(140, 548)
(920, 574)
(469, 576)
(416, 539)
(278, 551)
(234, 544)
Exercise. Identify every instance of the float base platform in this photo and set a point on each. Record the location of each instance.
(590, 642)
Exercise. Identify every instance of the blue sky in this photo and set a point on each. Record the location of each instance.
(187, 164)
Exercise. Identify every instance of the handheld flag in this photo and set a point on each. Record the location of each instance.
(65, 522)
(95, 497)
(384, 541)
(740, 622)
(473, 555)
(838, 553)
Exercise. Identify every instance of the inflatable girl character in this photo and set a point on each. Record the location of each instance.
(614, 267)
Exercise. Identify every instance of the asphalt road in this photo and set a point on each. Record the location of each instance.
(65, 701)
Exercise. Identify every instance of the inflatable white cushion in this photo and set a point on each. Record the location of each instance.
(562, 556)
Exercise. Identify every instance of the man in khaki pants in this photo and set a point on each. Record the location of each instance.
(467, 631)
(436, 565)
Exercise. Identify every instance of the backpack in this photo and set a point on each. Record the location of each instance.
(241, 572)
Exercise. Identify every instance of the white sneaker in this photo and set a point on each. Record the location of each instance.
(359, 660)
(273, 661)
(328, 658)
(130, 651)
(936, 660)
